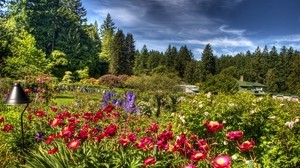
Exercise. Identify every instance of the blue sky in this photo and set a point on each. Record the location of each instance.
(230, 26)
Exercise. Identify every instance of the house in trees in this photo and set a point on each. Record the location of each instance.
(254, 87)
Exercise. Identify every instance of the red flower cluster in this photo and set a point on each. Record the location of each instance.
(213, 126)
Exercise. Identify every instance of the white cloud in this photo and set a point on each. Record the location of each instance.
(224, 42)
(225, 29)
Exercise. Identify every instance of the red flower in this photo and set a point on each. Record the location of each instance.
(74, 144)
(198, 156)
(88, 115)
(55, 122)
(153, 128)
(222, 161)
(1, 119)
(52, 151)
(149, 161)
(247, 145)
(49, 139)
(131, 136)
(110, 130)
(202, 145)
(108, 108)
(39, 113)
(7, 127)
(53, 108)
(124, 140)
(213, 126)
(29, 117)
(27, 91)
(235, 135)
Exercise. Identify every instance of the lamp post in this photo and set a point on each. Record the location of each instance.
(18, 96)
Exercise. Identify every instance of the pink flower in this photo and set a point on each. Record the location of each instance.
(213, 126)
(110, 130)
(149, 161)
(1, 119)
(74, 144)
(235, 135)
(190, 166)
(247, 145)
(52, 151)
(222, 161)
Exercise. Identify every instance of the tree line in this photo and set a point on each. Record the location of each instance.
(53, 37)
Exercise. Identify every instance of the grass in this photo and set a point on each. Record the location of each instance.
(64, 101)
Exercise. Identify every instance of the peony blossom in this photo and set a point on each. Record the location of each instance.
(247, 145)
(149, 161)
(74, 144)
(198, 156)
(53, 150)
(213, 126)
(235, 135)
(110, 130)
(222, 161)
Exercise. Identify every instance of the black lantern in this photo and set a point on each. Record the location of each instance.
(18, 96)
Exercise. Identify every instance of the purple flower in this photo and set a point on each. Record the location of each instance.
(129, 103)
(98, 128)
(39, 136)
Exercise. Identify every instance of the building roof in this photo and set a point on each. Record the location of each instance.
(250, 84)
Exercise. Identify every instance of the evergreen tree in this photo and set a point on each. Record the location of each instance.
(171, 54)
(141, 59)
(118, 61)
(208, 61)
(182, 59)
(130, 53)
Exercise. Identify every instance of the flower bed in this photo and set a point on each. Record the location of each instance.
(205, 131)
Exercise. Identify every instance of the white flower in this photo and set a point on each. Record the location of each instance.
(200, 105)
(224, 121)
(272, 117)
(234, 157)
(208, 95)
(290, 124)
(252, 111)
(231, 104)
(296, 120)
(206, 113)
(225, 143)
(281, 105)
